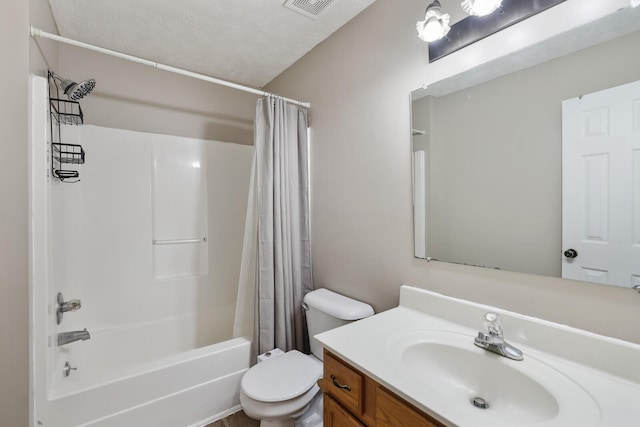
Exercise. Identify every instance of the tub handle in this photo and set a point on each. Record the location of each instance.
(65, 306)
(337, 384)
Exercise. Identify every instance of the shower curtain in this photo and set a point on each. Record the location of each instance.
(284, 253)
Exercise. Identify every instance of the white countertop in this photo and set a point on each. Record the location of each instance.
(595, 380)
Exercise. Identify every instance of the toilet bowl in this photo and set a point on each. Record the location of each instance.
(279, 390)
(283, 391)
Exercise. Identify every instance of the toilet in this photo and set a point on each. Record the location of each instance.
(283, 391)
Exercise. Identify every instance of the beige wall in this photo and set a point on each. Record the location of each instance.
(358, 82)
(137, 97)
(43, 53)
(14, 274)
(496, 159)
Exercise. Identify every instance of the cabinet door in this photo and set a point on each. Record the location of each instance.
(336, 416)
(393, 412)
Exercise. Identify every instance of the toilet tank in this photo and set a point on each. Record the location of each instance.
(327, 310)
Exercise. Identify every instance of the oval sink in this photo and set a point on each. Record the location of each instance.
(463, 379)
(462, 371)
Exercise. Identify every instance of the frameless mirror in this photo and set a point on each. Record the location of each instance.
(488, 159)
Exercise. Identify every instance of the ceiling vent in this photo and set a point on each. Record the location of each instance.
(309, 8)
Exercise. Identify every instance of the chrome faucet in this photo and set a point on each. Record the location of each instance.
(493, 341)
(69, 337)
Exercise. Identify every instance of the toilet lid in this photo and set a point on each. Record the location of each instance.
(281, 378)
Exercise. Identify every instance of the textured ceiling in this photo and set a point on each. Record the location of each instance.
(244, 41)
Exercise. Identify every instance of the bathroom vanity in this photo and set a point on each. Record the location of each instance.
(417, 365)
(354, 399)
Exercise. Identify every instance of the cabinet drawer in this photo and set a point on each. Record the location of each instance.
(344, 383)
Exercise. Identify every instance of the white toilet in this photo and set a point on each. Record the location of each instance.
(282, 392)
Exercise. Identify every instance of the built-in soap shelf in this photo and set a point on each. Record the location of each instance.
(180, 258)
(179, 241)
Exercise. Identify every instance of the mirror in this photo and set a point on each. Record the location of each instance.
(487, 150)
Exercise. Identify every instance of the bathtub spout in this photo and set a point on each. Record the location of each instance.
(69, 337)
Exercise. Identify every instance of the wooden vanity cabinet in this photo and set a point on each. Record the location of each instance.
(336, 416)
(352, 399)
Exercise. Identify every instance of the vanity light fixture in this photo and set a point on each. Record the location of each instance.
(480, 7)
(435, 25)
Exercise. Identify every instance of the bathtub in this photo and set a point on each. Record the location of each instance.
(192, 388)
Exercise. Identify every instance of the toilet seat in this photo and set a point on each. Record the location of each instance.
(277, 410)
(282, 378)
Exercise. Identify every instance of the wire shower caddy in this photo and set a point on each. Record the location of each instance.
(63, 112)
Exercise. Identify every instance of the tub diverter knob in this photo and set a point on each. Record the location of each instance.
(67, 369)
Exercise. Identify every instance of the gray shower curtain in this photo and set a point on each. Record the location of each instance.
(284, 253)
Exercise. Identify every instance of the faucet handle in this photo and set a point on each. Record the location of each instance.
(65, 306)
(492, 321)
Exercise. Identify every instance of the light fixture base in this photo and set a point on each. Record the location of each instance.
(480, 7)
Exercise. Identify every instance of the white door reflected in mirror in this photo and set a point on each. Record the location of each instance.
(601, 186)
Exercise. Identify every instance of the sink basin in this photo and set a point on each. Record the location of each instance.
(471, 382)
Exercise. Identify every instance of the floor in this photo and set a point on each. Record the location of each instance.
(239, 419)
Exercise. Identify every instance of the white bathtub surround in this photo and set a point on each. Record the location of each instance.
(104, 228)
(284, 238)
(424, 351)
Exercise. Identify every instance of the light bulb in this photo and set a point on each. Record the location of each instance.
(433, 30)
(435, 25)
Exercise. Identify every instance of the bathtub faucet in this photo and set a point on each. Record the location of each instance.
(69, 337)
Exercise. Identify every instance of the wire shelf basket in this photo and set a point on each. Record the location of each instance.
(68, 153)
(66, 112)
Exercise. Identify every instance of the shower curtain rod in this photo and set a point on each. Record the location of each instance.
(36, 32)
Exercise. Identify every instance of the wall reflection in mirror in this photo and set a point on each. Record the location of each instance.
(488, 159)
